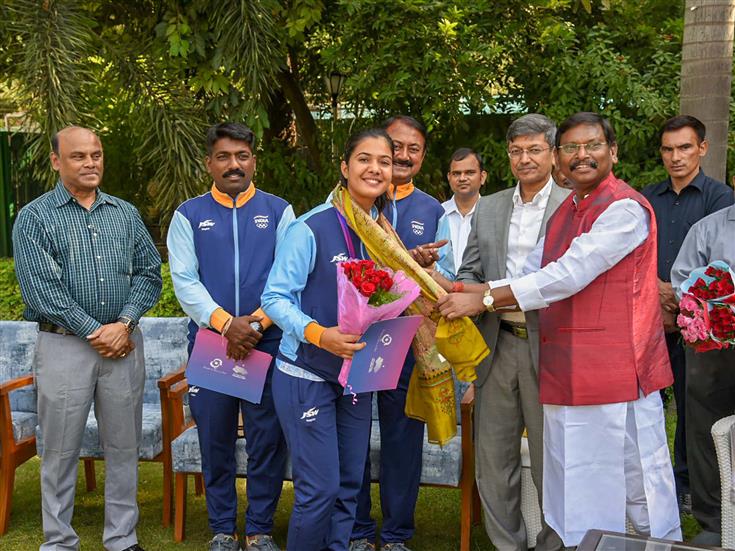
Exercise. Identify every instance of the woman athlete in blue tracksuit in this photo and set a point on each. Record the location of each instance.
(327, 434)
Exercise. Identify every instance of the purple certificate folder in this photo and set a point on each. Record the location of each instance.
(378, 365)
(210, 368)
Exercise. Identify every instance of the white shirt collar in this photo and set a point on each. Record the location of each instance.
(450, 206)
(540, 197)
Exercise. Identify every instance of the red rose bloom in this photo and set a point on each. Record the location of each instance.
(367, 288)
(370, 281)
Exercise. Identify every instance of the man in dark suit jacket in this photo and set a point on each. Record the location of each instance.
(505, 229)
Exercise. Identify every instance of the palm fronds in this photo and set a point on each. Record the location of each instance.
(50, 45)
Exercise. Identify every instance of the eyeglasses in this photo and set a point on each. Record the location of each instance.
(517, 152)
(572, 148)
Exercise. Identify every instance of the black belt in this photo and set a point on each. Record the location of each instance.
(519, 331)
(52, 328)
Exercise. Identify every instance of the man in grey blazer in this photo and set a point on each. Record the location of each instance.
(505, 229)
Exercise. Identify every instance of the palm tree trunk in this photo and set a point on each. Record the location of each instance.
(706, 74)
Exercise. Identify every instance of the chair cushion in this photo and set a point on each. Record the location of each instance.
(440, 465)
(17, 347)
(165, 345)
(24, 424)
(186, 456)
(185, 453)
(151, 439)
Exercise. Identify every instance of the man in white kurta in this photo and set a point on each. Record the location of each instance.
(602, 351)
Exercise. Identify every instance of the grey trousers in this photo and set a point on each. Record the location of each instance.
(504, 404)
(70, 375)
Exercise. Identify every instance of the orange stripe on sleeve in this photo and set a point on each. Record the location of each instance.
(266, 322)
(219, 318)
(313, 333)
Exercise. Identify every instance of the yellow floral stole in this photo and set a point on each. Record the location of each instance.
(431, 388)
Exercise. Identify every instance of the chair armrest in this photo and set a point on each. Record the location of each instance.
(171, 378)
(7, 440)
(6, 387)
(178, 390)
(172, 388)
(468, 398)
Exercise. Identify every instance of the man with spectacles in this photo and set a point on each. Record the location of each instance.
(466, 177)
(685, 197)
(602, 352)
(505, 229)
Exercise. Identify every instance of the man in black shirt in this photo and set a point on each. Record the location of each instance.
(687, 196)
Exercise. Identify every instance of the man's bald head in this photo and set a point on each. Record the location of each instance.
(77, 157)
(66, 133)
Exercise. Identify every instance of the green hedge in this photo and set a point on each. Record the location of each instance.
(11, 304)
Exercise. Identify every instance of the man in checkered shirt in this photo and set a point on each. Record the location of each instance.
(88, 270)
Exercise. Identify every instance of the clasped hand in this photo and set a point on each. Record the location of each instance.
(241, 337)
(112, 340)
(458, 305)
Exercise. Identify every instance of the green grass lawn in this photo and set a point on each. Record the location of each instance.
(437, 514)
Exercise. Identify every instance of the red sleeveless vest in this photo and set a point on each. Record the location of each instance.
(607, 341)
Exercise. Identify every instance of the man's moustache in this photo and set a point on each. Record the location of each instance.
(407, 164)
(592, 164)
(234, 172)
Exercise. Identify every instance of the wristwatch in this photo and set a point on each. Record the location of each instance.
(128, 323)
(257, 326)
(488, 301)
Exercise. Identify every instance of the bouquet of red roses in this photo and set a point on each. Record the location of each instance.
(707, 308)
(366, 294)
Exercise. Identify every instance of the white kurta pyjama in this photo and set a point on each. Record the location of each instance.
(601, 462)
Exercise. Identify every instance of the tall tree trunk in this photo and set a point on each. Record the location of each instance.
(279, 118)
(304, 121)
(706, 74)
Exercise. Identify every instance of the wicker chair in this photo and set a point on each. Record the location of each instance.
(723, 433)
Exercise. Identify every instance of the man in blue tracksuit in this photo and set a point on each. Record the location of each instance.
(221, 247)
(415, 216)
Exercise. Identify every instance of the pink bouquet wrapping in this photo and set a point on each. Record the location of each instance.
(365, 295)
(707, 308)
